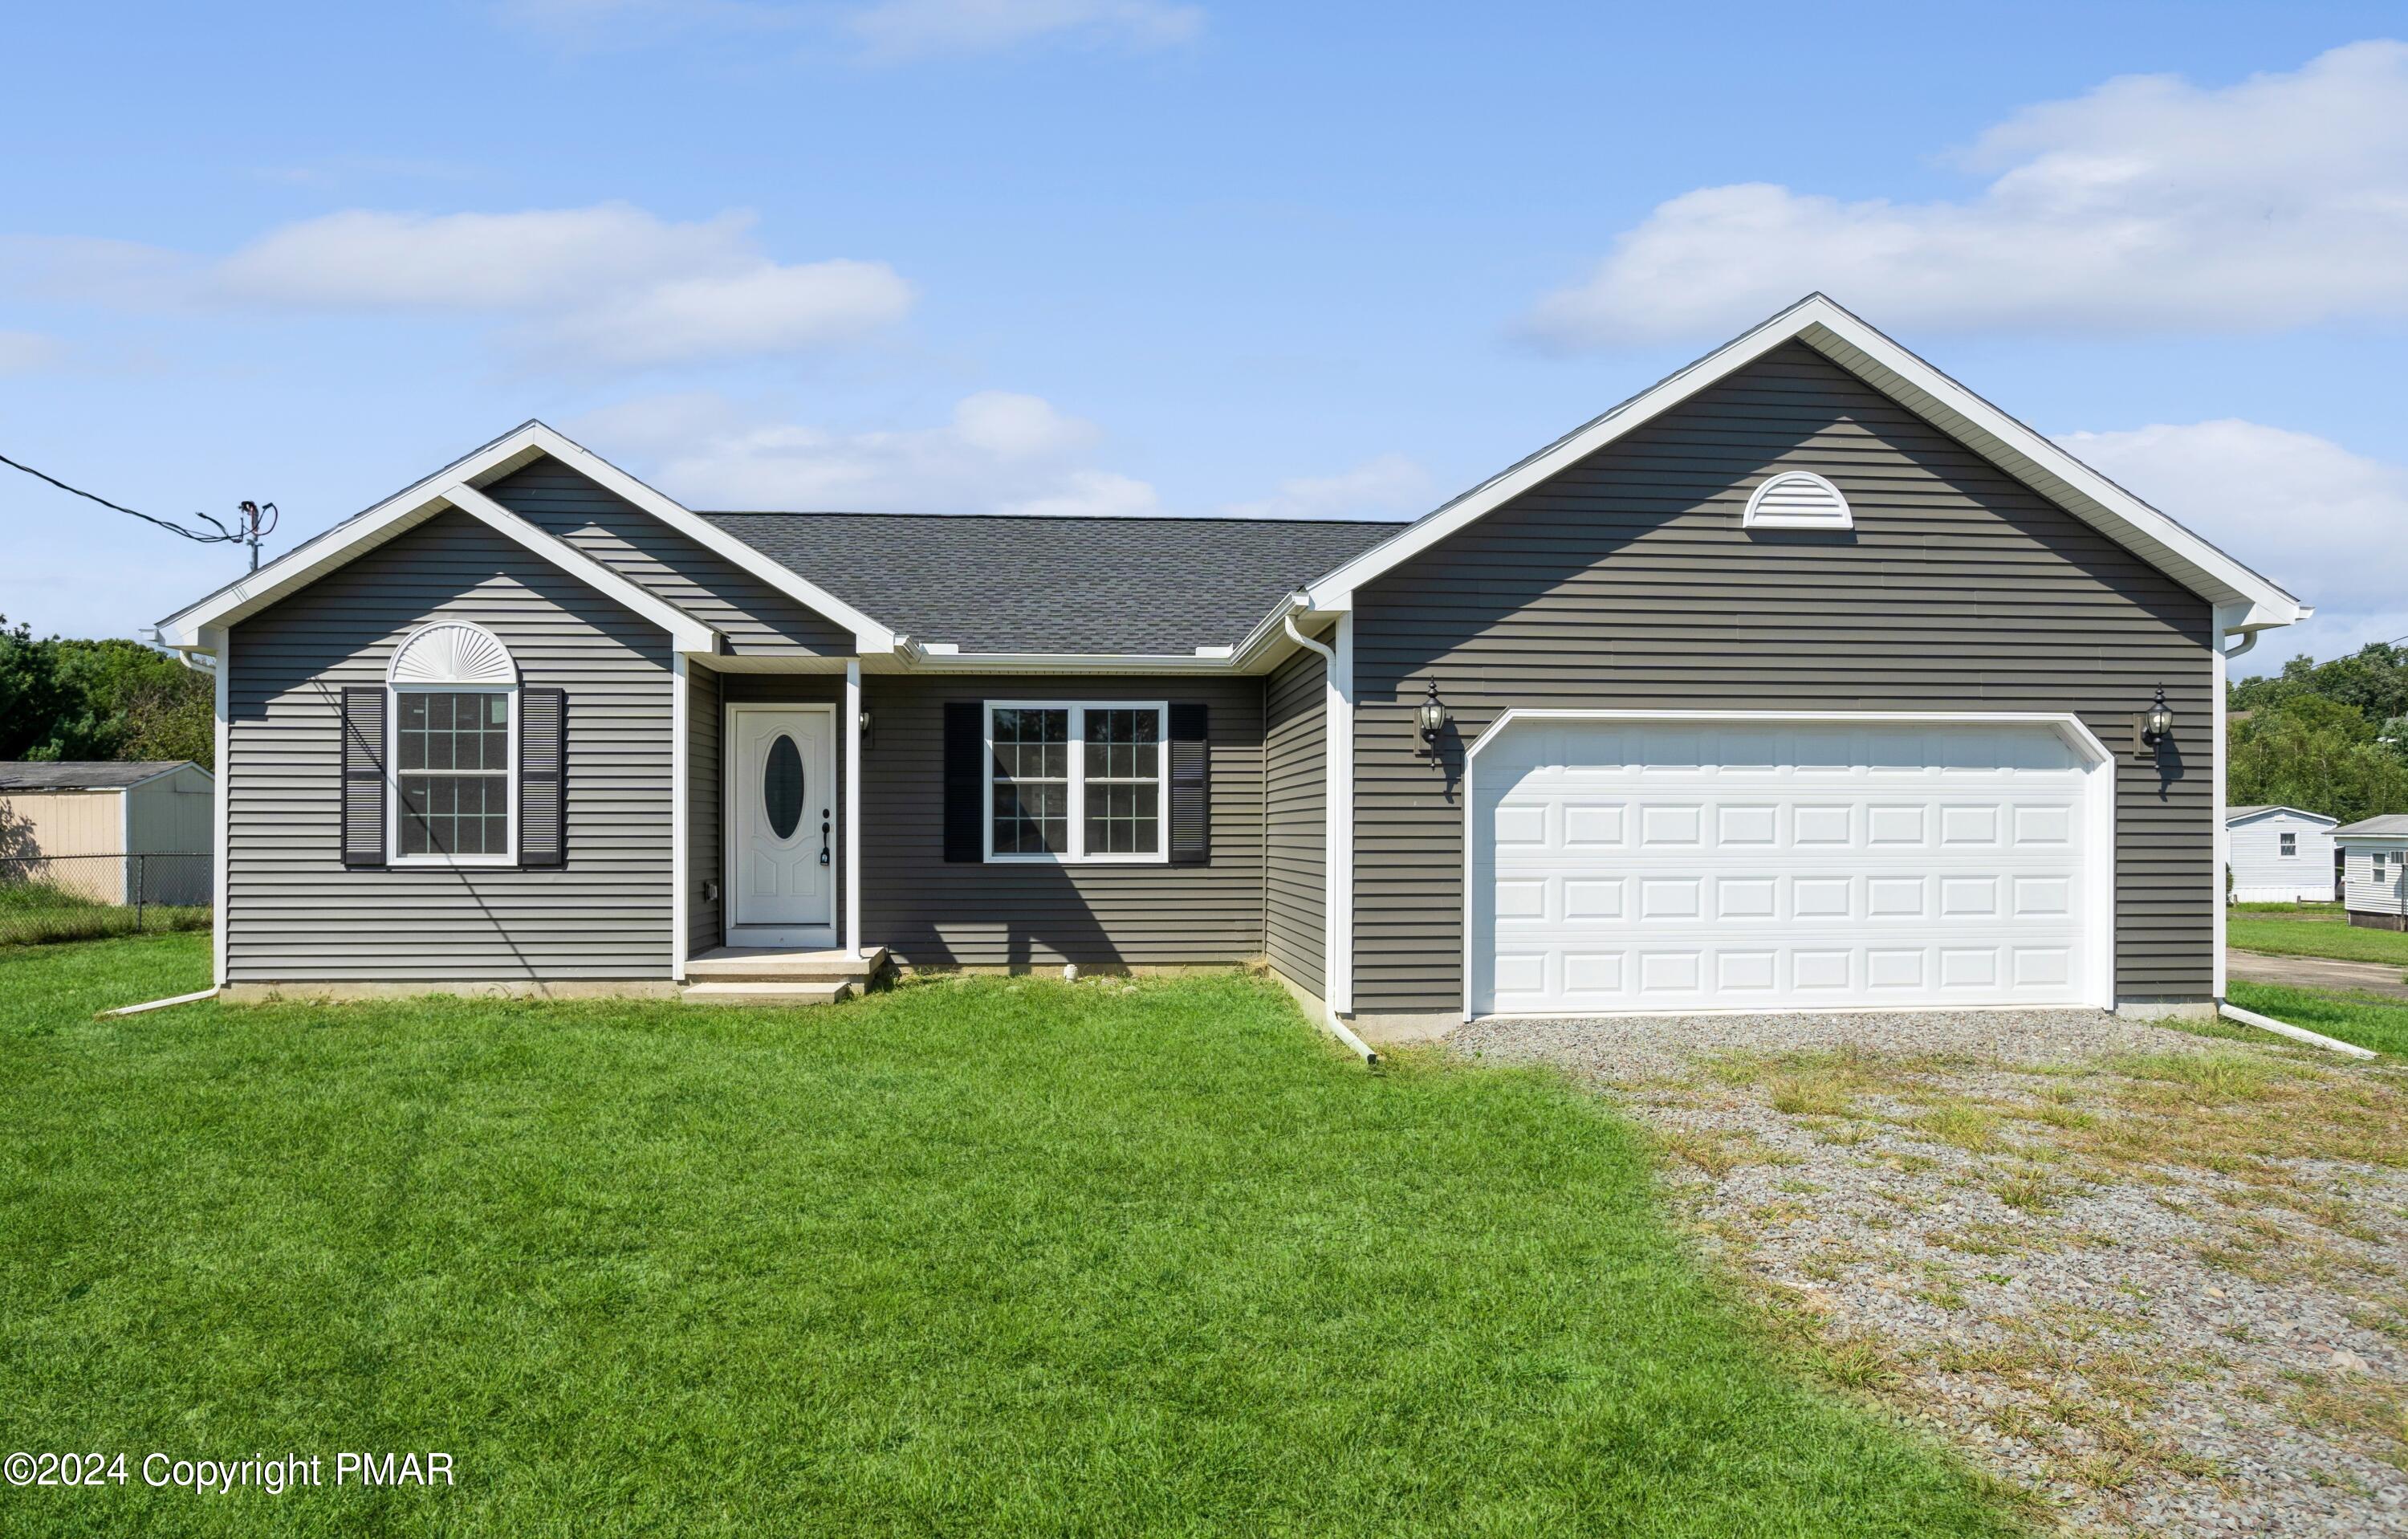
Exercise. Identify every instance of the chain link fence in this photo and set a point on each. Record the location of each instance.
(84, 896)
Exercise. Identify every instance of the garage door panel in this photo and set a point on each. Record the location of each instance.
(1629, 867)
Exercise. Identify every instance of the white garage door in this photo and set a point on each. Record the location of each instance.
(1665, 866)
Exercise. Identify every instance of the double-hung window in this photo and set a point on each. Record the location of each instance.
(1076, 782)
(2290, 845)
(452, 768)
(454, 701)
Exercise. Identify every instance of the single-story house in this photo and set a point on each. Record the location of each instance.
(107, 830)
(2374, 871)
(2282, 855)
(1804, 679)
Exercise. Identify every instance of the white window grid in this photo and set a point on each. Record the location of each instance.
(1076, 851)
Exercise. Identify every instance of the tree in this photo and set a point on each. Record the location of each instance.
(2375, 679)
(2319, 755)
(29, 695)
(136, 703)
(110, 699)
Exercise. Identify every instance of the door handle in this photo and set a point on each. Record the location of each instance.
(824, 836)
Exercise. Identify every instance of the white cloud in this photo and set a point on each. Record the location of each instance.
(895, 29)
(999, 453)
(1390, 484)
(996, 451)
(30, 353)
(2150, 203)
(612, 284)
(2330, 524)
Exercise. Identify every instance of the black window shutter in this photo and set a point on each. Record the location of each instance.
(364, 780)
(543, 781)
(1191, 819)
(965, 780)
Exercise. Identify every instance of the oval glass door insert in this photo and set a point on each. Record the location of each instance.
(782, 787)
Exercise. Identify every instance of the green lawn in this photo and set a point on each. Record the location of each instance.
(964, 1258)
(2366, 1019)
(2320, 931)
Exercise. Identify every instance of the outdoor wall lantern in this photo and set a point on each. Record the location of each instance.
(1434, 717)
(2159, 724)
(867, 738)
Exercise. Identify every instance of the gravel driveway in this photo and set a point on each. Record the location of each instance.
(2153, 1275)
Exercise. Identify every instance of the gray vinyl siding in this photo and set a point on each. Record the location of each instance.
(706, 855)
(1295, 773)
(1626, 581)
(934, 912)
(293, 913)
(757, 619)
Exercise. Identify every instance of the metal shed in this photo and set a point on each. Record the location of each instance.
(110, 831)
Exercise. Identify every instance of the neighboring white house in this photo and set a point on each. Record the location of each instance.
(107, 829)
(2374, 885)
(2280, 854)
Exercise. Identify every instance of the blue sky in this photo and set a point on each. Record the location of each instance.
(1145, 255)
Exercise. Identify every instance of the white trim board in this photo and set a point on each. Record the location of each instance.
(2100, 794)
(220, 644)
(1887, 367)
(300, 567)
(681, 808)
(849, 752)
(459, 484)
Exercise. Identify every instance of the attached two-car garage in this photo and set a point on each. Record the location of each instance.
(1678, 863)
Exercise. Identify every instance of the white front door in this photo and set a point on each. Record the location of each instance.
(1677, 865)
(781, 815)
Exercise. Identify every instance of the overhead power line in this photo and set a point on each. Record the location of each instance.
(254, 520)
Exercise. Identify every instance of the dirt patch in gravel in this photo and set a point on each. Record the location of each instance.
(2158, 1278)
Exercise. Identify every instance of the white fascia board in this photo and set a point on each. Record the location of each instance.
(414, 508)
(422, 499)
(932, 658)
(688, 633)
(1884, 364)
(867, 634)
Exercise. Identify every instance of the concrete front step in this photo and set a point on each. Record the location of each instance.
(771, 993)
(765, 965)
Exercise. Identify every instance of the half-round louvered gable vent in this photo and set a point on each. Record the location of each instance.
(1797, 499)
(453, 652)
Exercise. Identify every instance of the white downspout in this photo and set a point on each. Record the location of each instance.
(1332, 851)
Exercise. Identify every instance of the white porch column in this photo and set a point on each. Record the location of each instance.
(680, 804)
(852, 804)
(1338, 815)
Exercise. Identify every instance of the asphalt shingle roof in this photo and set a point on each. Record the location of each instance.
(80, 775)
(2389, 823)
(994, 583)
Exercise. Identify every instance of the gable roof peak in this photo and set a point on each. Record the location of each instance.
(2246, 601)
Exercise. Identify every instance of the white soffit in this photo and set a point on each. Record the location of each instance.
(1854, 345)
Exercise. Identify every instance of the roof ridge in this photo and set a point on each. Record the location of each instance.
(1034, 518)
